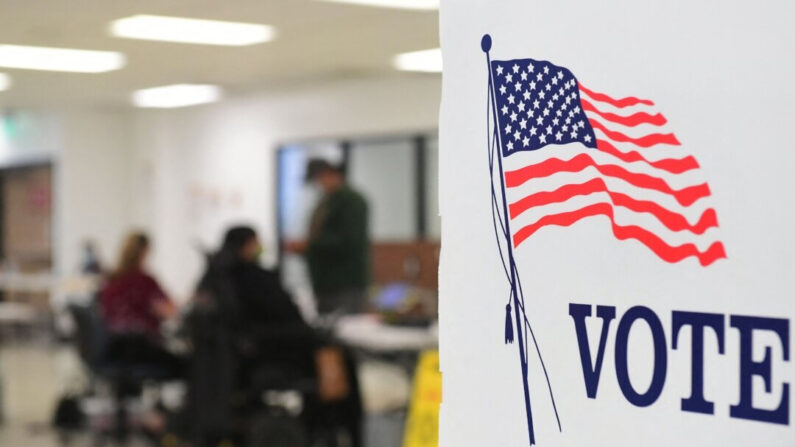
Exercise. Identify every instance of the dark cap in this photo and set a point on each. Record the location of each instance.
(316, 166)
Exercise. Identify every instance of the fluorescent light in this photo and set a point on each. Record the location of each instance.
(60, 59)
(397, 4)
(177, 95)
(5, 81)
(184, 30)
(426, 60)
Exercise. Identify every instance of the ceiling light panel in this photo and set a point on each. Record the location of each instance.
(177, 95)
(5, 82)
(59, 59)
(423, 5)
(429, 61)
(197, 31)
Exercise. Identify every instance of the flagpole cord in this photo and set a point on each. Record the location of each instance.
(485, 45)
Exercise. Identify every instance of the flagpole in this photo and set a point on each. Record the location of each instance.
(485, 45)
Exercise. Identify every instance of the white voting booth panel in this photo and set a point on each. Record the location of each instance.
(616, 192)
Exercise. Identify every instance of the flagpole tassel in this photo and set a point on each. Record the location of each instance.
(508, 325)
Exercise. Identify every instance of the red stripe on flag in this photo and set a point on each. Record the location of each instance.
(623, 102)
(685, 196)
(672, 165)
(630, 121)
(672, 220)
(644, 141)
(666, 252)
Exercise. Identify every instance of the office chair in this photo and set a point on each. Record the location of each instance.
(125, 375)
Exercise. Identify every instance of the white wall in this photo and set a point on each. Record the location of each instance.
(91, 184)
(194, 171)
(89, 151)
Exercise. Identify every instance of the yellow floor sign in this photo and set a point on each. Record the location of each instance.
(422, 427)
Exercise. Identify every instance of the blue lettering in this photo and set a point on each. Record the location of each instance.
(591, 372)
(750, 368)
(660, 356)
(698, 321)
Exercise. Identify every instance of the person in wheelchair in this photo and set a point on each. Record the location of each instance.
(249, 337)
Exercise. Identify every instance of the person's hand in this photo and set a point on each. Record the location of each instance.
(165, 309)
(332, 374)
(295, 246)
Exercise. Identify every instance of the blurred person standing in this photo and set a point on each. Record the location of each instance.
(337, 248)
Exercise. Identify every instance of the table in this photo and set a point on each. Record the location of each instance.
(368, 332)
(387, 356)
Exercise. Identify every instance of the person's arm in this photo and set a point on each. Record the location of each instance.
(160, 305)
(298, 247)
(165, 309)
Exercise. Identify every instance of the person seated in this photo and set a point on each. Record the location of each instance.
(267, 330)
(133, 306)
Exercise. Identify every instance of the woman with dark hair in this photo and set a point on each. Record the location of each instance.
(251, 326)
(252, 300)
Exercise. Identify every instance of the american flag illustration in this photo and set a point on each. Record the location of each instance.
(559, 153)
(572, 153)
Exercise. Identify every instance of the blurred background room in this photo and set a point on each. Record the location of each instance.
(219, 223)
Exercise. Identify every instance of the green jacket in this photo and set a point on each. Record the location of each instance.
(339, 248)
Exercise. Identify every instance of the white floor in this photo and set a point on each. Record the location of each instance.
(28, 395)
(33, 374)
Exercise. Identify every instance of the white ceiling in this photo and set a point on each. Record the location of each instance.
(316, 41)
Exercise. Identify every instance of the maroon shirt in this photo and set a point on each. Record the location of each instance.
(128, 303)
